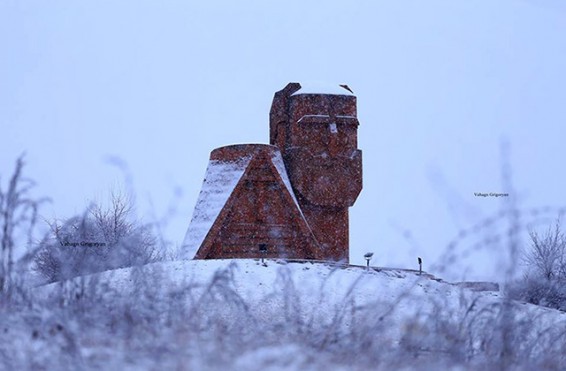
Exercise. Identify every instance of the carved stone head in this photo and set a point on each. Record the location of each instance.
(316, 132)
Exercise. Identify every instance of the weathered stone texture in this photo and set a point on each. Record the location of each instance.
(292, 197)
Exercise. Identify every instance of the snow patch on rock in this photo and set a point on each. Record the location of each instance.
(220, 180)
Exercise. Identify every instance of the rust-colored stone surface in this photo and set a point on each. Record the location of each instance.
(318, 137)
(289, 199)
(261, 218)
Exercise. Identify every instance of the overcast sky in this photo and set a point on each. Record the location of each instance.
(159, 84)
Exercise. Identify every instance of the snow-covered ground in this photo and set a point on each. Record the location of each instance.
(242, 314)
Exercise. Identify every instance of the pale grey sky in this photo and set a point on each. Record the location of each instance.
(159, 84)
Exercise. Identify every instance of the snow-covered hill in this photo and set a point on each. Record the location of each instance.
(243, 314)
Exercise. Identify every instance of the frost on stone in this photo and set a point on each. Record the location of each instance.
(333, 128)
(277, 161)
(307, 117)
(316, 87)
(220, 180)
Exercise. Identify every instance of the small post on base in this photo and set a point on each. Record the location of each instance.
(420, 265)
(368, 256)
(263, 251)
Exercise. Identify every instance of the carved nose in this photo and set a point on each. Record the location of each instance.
(333, 145)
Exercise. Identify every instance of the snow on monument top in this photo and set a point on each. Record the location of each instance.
(323, 88)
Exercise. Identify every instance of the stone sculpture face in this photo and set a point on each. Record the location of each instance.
(317, 133)
(325, 164)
